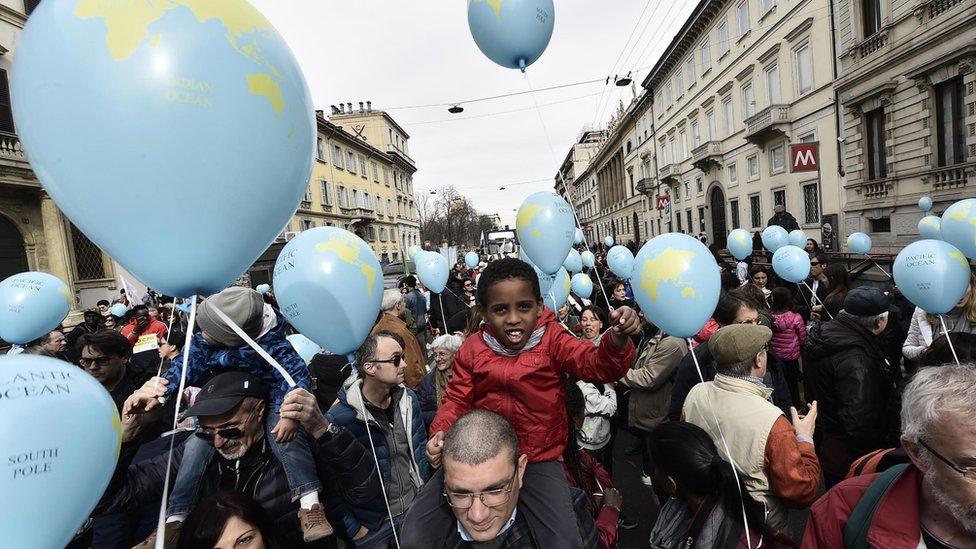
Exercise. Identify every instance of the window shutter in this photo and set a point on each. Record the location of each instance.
(6, 115)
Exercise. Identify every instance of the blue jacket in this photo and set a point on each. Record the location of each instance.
(206, 361)
(349, 414)
(427, 394)
(418, 308)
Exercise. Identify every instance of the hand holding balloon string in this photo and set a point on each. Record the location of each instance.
(626, 323)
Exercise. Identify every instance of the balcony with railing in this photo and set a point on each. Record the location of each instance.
(14, 162)
(706, 156)
(359, 215)
(872, 43)
(773, 122)
(950, 177)
(646, 185)
(670, 173)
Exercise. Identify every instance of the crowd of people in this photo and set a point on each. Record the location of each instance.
(825, 414)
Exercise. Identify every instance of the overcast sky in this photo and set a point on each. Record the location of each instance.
(404, 53)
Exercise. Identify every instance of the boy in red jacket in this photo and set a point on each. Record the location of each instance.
(516, 365)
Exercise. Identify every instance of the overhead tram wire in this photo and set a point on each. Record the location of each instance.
(497, 113)
(493, 97)
(622, 50)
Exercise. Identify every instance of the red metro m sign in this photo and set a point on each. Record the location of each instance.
(805, 157)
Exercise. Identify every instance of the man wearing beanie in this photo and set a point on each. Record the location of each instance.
(216, 349)
(776, 460)
(845, 362)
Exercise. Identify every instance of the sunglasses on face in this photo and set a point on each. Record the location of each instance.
(228, 433)
(100, 360)
(395, 359)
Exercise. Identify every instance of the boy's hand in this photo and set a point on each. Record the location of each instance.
(625, 323)
(147, 397)
(285, 430)
(434, 448)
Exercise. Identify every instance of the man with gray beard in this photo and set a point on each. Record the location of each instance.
(930, 502)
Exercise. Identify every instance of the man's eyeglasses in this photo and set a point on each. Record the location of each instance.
(491, 498)
(229, 433)
(968, 472)
(395, 359)
(814, 263)
(100, 360)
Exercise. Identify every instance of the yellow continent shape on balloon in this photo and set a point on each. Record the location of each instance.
(525, 215)
(348, 251)
(495, 5)
(262, 84)
(957, 255)
(668, 266)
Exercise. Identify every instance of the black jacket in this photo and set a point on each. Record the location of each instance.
(852, 384)
(343, 464)
(452, 305)
(687, 377)
(788, 222)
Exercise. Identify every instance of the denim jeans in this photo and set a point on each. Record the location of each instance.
(295, 457)
(382, 538)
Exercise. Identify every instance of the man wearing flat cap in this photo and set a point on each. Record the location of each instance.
(783, 218)
(775, 460)
(845, 361)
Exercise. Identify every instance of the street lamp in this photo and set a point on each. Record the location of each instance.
(456, 109)
(623, 81)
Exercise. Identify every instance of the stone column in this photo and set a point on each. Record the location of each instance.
(56, 242)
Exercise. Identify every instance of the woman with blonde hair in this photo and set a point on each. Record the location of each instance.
(925, 327)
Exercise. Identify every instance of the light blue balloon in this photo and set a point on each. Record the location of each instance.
(925, 203)
(573, 263)
(775, 237)
(582, 285)
(608, 241)
(118, 310)
(31, 305)
(412, 251)
(578, 237)
(798, 238)
(558, 292)
(329, 285)
(740, 244)
(959, 226)
(621, 261)
(545, 228)
(676, 282)
(60, 434)
(471, 260)
(930, 227)
(225, 129)
(792, 263)
(932, 274)
(512, 33)
(305, 347)
(545, 280)
(263, 289)
(589, 260)
(432, 270)
(859, 243)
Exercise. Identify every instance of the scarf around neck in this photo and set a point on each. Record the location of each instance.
(500, 349)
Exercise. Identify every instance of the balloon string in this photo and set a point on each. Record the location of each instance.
(721, 432)
(257, 348)
(882, 269)
(572, 207)
(161, 523)
(169, 328)
(443, 316)
(949, 339)
(814, 294)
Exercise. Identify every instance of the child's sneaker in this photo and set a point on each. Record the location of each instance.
(314, 524)
(172, 537)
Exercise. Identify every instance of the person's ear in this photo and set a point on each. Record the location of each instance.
(914, 452)
(523, 460)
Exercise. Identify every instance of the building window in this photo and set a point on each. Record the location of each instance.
(337, 156)
(350, 162)
(729, 114)
(376, 171)
(808, 137)
(389, 207)
(871, 16)
(777, 159)
(683, 138)
(305, 224)
(950, 115)
(752, 162)
(695, 133)
(766, 5)
(723, 38)
(320, 149)
(811, 203)
(699, 187)
(779, 197)
(379, 205)
(362, 166)
(734, 210)
(755, 210)
(342, 197)
(875, 131)
(678, 217)
(383, 234)
(772, 83)
(673, 149)
(386, 177)
(710, 124)
(691, 227)
(87, 256)
(308, 193)
(701, 218)
(668, 95)
(679, 82)
(733, 174)
(742, 16)
(677, 193)
(371, 233)
(881, 225)
(326, 194)
(687, 190)
(690, 69)
(803, 65)
(706, 55)
(748, 100)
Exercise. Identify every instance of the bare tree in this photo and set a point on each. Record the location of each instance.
(450, 218)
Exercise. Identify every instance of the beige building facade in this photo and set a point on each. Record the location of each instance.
(735, 88)
(907, 86)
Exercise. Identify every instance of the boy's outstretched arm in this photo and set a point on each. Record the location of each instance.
(459, 398)
(602, 363)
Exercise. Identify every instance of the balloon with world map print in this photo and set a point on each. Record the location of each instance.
(412, 251)
(798, 238)
(740, 244)
(930, 227)
(31, 305)
(582, 285)
(925, 203)
(545, 227)
(558, 291)
(959, 226)
(588, 259)
(573, 263)
(329, 285)
(512, 33)
(676, 282)
(578, 237)
(200, 103)
(932, 274)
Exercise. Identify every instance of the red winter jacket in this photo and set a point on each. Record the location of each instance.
(896, 520)
(529, 389)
